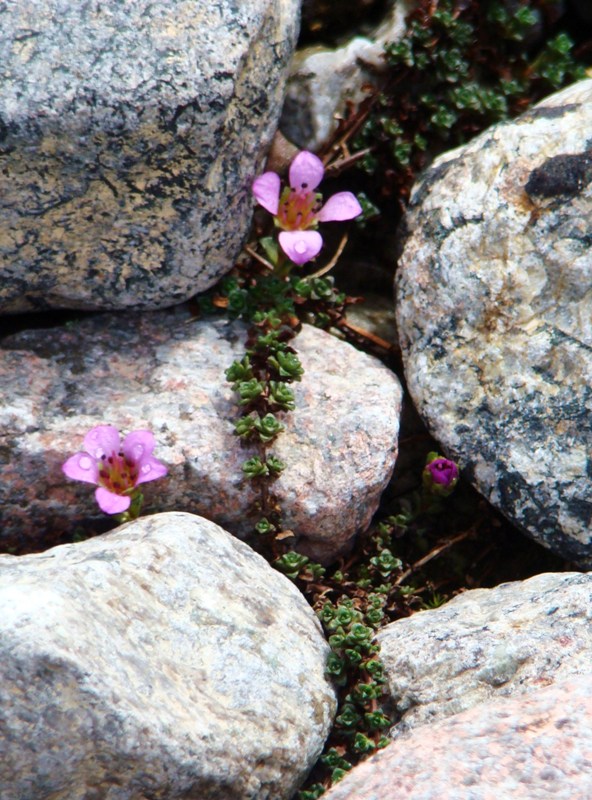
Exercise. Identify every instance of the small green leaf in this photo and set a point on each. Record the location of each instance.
(338, 774)
(268, 428)
(443, 119)
(255, 468)
(335, 666)
(287, 365)
(327, 613)
(376, 721)
(291, 564)
(359, 635)
(362, 744)
(349, 717)
(249, 390)
(244, 426)
(239, 371)
(386, 563)
(282, 395)
(264, 527)
(275, 465)
(271, 249)
(375, 668)
(353, 657)
(313, 793)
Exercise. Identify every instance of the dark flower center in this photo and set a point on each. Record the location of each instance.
(117, 474)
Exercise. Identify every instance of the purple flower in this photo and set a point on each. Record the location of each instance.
(298, 208)
(440, 475)
(115, 468)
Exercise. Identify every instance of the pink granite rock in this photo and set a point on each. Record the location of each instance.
(165, 371)
(485, 644)
(534, 747)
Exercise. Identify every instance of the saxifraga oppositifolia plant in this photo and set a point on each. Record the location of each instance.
(273, 296)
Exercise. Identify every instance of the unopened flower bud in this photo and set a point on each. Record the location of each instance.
(440, 475)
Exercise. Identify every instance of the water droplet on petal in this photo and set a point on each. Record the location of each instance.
(300, 247)
(146, 468)
(99, 452)
(138, 450)
(85, 462)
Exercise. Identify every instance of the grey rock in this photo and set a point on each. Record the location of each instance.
(129, 136)
(533, 747)
(163, 660)
(485, 644)
(165, 371)
(323, 80)
(495, 316)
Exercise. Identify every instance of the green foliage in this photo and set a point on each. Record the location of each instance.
(358, 599)
(555, 64)
(268, 428)
(273, 303)
(516, 24)
(263, 429)
(313, 793)
(264, 527)
(385, 562)
(281, 396)
(339, 766)
(275, 465)
(239, 371)
(319, 289)
(286, 365)
(291, 564)
(249, 390)
(369, 210)
(435, 601)
(354, 666)
(459, 68)
(255, 468)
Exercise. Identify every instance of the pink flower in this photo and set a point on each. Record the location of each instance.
(115, 468)
(298, 208)
(440, 475)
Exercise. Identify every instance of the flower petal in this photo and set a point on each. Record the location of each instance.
(341, 206)
(138, 444)
(112, 503)
(150, 469)
(306, 171)
(300, 246)
(102, 440)
(81, 467)
(266, 189)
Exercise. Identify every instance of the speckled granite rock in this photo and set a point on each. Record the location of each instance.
(323, 79)
(165, 371)
(534, 747)
(157, 661)
(129, 135)
(495, 316)
(488, 643)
